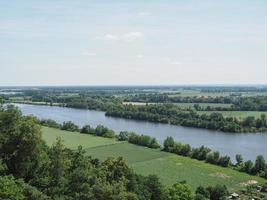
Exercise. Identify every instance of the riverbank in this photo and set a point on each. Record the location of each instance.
(248, 145)
(171, 114)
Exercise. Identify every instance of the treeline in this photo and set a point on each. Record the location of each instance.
(30, 170)
(206, 154)
(168, 113)
(165, 98)
(100, 130)
(238, 103)
(142, 140)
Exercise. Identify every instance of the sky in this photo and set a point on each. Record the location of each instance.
(133, 42)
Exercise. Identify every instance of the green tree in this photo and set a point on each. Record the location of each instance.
(87, 129)
(69, 126)
(154, 187)
(248, 166)
(239, 159)
(10, 189)
(168, 144)
(260, 164)
(21, 149)
(218, 192)
(58, 170)
(179, 191)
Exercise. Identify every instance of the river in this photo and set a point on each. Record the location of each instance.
(247, 144)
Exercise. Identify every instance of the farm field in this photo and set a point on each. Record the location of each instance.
(238, 114)
(169, 167)
(183, 105)
(212, 105)
(73, 139)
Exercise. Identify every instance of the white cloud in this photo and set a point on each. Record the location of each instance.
(126, 37)
(139, 56)
(85, 53)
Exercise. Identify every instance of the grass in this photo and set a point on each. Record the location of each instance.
(175, 168)
(238, 114)
(131, 153)
(170, 168)
(73, 139)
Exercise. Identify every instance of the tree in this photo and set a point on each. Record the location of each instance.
(60, 162)
(155, 188)
(224, 161)
(168, 144)
(87, 129)
(9, 118)
(239, 159)
(260, 164)
(179, 191)
(218, 192)
(69, 126)
(22, 147)
(248, 166)
(10, 189)
(202, 193)
(154, 144)
(123, 136)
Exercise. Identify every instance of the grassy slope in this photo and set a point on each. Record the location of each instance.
(169, 167)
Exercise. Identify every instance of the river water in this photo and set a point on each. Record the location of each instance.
(247, 144)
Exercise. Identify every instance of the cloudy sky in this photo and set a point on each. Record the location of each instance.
(133, 42)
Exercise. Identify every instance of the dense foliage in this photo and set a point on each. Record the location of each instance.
(142, 140)
(168, 113)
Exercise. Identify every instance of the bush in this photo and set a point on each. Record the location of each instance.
(50, 123)
(87, 129)
(69, 126)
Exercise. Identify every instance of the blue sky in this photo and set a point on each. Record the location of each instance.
(133, 42)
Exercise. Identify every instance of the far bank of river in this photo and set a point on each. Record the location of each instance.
(248, 144)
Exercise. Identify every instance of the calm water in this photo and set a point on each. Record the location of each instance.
(249, 145)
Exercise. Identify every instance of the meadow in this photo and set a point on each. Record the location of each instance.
(170, 168)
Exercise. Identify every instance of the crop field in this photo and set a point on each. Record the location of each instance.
(170, 168)
(238, 114)
(73, 139)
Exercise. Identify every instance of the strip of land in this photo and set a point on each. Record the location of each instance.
(169, 167)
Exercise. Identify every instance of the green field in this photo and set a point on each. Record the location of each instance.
(238, 114)
(212, 105)
(183, 105)
(72, 139)
(169, 167)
